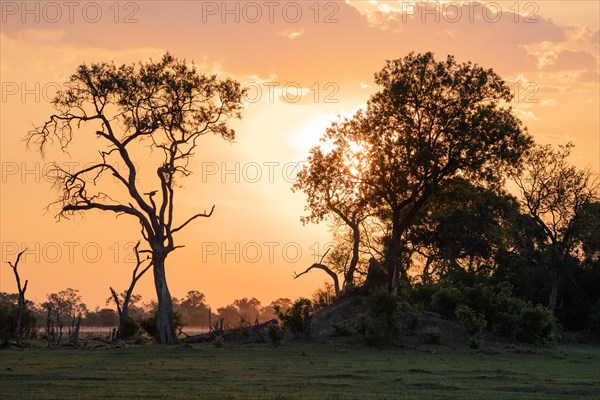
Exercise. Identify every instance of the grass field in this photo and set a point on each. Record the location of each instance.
(301, 370)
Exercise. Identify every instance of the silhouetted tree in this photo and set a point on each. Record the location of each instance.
(555, 193)
(430, 122)
(332, 183)
(122, 303)
(166, 107)
(21, 296)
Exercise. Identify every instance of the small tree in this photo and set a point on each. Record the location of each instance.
(555, 194)
(21, 303)
(122, 304)
(298, 317)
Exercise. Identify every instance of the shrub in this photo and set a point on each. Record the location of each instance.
(219, 341)
(275, 332)
(445, 301)
(386, 318)
(149, 324)
(297, 318)
(537, 326)
(473, 322)
(131, 328)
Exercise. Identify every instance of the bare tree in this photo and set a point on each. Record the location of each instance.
(554, 193)
(21, 295)
(166, 106)
(123, 306)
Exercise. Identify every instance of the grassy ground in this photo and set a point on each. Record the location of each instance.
(302, 370)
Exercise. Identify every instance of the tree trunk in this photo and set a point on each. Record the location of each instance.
(392, 256)
(165, 331)
(20, 307)
(349, 278)
(556, 283)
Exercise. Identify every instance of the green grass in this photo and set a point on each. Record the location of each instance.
(302, 370)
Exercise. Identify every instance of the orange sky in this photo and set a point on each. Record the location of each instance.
(254, 242)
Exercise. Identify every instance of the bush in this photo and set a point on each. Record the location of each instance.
(219, 341)
(149, 324)
(275, 332)
(387, 317)
(297, 318)
(473, 322)
(8, 322)
(131, 328)
(537, 326)
(445, 301)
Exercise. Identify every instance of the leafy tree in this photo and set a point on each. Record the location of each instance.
(556, 194)
(465, 229)
(298, 317)
(268, 312)
(164, 107)
(194, 309)
(431, 122)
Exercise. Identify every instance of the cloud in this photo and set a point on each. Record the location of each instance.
(40, 35)
(291, 33)
(570, 60)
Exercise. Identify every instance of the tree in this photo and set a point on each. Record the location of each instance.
(555, 194)
(166, 106)
(431, 122)
(122, 303)
(21, 303)
(194, 309)
(465, 228)
(332, 185)
(65, 305)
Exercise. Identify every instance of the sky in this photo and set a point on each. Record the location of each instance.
(304, 63)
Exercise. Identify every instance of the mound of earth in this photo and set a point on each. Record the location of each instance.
(339, 319)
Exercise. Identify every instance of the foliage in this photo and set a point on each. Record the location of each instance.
(537, 325)
(474, 324)
(130, 328)
(445, 300)
(556, 194)
(298, 317)
(148, 324)
(323, 297)
(8, 318)
(275, 332)
(219, 341)
(386, 318)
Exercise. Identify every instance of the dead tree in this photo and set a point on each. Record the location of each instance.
(321, 266)
(21, 299)
(123, 307)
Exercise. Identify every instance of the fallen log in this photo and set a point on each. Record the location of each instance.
(208, 336)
